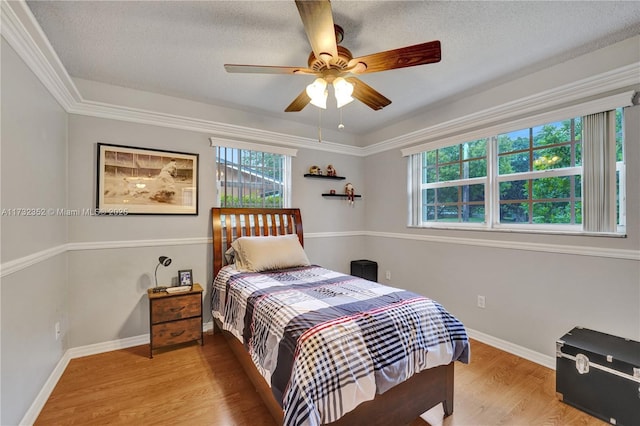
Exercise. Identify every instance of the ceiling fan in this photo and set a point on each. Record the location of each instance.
(334, 64)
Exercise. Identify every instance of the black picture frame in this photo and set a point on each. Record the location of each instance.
(185, 277)
(133, 180)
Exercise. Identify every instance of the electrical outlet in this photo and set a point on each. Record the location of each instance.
(58, 330)
(387, 275)
(481, 301)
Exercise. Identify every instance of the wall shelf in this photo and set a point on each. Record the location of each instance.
(340, 195)
(309, 175)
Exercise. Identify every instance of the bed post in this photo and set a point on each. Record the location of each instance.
(447, 404)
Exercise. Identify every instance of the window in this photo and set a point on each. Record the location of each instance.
(454, 182)
(252, 178)
(530, 178)
(539, 174)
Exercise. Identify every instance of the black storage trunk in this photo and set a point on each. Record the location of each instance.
(366, 269)
(600, 374)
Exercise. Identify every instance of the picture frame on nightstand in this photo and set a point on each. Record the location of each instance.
(185, 277)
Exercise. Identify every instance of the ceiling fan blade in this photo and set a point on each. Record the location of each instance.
(318, 24)
(409, 56)
(367, 94)
(299, 103)
(267, 69)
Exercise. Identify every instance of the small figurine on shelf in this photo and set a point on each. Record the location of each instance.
(315, 170)
(331, 171)
(351, 192)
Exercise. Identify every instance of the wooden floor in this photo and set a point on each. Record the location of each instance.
(204, 385)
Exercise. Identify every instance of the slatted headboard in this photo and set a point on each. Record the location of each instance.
(230, 223)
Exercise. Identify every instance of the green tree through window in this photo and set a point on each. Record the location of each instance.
(537, 178)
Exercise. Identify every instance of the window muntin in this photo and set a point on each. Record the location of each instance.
(535, 175)
(550, 146)
(547, 200)
(528, 194)
(248, 178)
(462, 203)
(454, 183)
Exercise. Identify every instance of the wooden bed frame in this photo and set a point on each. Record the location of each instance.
(401, 404)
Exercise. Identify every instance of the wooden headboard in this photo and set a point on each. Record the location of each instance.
(230, 223)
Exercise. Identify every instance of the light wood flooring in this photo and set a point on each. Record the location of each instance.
(205, 385)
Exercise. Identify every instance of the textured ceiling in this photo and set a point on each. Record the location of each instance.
(178, 48)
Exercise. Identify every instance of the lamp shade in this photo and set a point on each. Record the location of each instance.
(164, 261)
(343, 91)
(318, 93)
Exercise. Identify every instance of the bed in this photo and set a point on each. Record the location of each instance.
(323, 347)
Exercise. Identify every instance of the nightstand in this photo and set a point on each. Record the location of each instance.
(175, 318)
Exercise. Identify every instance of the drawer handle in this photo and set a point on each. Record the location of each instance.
(177, 309)
(177, 333)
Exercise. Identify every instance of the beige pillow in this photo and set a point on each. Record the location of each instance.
(256, 254)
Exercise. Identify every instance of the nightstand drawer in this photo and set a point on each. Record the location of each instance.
(176, 307)
(175, 318)
(175, 332)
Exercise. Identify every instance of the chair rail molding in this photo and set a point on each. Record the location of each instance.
(13, 266)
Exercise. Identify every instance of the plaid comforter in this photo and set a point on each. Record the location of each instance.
(326, 342)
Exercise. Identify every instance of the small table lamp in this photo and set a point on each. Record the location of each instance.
(164, 261)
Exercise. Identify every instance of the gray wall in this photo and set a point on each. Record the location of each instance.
(124, 250)
(96, 286)
(34, 175)
(532, 297)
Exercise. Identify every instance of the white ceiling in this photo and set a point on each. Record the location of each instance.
(178, 48)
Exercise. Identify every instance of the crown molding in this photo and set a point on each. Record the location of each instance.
(576, 91)
(529, 120)
(214, 129)
(23, 33)
(21, 30)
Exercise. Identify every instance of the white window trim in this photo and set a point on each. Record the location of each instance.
(493, 179)
(252, 146)
(288, 155)
(623, 99)
(621, 168)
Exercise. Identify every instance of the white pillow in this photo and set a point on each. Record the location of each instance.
(256, 254)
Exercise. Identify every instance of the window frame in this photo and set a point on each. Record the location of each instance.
(454, 183)
(287, 154)
(494, 179)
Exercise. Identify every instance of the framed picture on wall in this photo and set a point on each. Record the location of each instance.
(185, 277)
(146, 181)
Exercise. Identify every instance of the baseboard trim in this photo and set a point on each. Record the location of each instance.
(81, 351)
(34, 410)
(109, 346)
(113, 345)
(513, 349)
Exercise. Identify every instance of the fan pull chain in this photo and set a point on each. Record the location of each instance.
(319, 125)
(341, 125)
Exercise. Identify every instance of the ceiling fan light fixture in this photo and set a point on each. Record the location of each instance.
(343, 91)
(318, 93)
